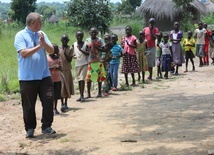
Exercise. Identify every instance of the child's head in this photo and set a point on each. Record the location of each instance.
(114, 38)
(107, 38)
(205, 25)
(93, 32)
(165, 37)
(200, 25)
(64, 39)
(128, 30)
(176, 25)
(56, 49)
(151, 22)
(189, 34)
(79, 35)
(141, 35)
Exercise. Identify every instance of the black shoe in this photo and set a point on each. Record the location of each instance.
(79, 99)
(56, 112)
(63, 108)
(48, 131)
(82, 99)
(30, 133)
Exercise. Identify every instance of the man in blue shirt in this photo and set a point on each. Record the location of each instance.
(34, 76)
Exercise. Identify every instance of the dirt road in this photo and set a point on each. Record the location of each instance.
(162, 117)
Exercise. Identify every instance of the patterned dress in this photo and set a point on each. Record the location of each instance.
(141, 55)
(130, 64)
(96, 70)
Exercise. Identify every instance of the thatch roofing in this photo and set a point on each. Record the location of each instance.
(162, 9)
(209, 5)
(53, 19)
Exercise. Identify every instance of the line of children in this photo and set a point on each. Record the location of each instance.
(98, 60)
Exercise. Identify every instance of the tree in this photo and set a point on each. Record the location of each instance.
(90, 13)
(21, 8)
(46, 11)
(128, 6)
(187, 15)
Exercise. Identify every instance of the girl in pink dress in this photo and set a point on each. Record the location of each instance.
(130, 63)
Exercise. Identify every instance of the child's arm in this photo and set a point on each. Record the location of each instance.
(132, 45)
(69, 58)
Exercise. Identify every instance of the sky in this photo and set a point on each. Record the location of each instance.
(8, 1)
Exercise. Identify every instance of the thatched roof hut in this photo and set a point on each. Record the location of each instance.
(209, 6)
(53, 19)
(165, 12)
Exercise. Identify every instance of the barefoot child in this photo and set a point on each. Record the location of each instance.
(66, 55)
(189, 44)
(130, 64)
(81, 63)
(212, 47)
(115, 61)
(141, 55)
(166, 55)
(96, 71)
(158, 55)
(54, 63)
(106, 57)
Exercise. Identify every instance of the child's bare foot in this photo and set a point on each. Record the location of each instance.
(79, 99)
(139, 78)
(89, 96)
(185, 71)
(133, 85)
(99, 95)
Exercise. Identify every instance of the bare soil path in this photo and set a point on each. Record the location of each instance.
(162, 117)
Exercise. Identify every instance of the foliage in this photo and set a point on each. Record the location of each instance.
(128, 6)
(4, 8)
(46, 11)
(21, 8)
(90, 13)
(187, 15)
(208, 18)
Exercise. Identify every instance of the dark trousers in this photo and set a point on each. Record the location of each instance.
(29, 91)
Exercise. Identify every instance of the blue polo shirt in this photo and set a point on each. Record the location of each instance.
(34, 67)
(116, 52)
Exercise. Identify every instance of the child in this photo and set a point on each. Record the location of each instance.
(212, 47)
(115, 61)
(106, 57)
(81, 63)
(158, 55)
(188, 44)
(199, 34)
(96, 71)
(54, 63)
(141, 55)
(176, 36)
(166, 55)
(130, 64)
(66, 55)
(206, 45)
